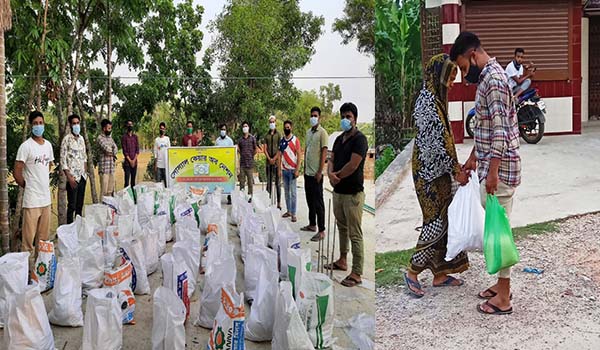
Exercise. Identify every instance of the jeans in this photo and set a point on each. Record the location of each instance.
(273, 181)
(75, 198)
(523, 86)
(161, 175)
(289, 188)
(129, 174)
(314, 199)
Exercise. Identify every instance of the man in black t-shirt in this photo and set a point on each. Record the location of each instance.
(346, 175)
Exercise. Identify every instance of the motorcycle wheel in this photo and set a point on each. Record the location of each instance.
(470, 125)
(532, 130)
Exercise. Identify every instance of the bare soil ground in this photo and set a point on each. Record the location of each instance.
(558, 309)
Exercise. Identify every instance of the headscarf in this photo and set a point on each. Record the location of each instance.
(434, 144)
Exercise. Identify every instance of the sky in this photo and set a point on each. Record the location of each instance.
(331, 59)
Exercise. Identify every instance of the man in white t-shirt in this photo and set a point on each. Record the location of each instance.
(161, 144)
(518, 81)
(35, 157)
(224, 140)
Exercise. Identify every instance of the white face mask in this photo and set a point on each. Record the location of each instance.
(223, 133)
(314, 121)
(245, 129)
(272, 126)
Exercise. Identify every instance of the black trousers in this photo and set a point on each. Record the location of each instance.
(314, 199)
(129, 174)
(273, 176)
(75, 198)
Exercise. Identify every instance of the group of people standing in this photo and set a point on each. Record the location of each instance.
(35, 159)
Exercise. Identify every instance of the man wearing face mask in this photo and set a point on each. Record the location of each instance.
(247, 149)
(131, 150)
(189, 139)
(106, 164)
(72, 161)
(271, 150)
(289, 146)
(495, 155)
(161, 143)
(346, 174)
(314, 162)
(224, 141)
(34, 160)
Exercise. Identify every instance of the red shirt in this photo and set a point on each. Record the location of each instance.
(191, 137)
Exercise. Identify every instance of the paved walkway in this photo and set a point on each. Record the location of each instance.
(560, 178)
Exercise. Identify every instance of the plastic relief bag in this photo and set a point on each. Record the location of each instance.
(168, 331)
(289, 333)
(103, 327)
(27, 321)
(14, 272)
(228, 325)
(66, 295)
(466, 218)
(259, 325)
(45, 266)
(175, 278)
(315, 305)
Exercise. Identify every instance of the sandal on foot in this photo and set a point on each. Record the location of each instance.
(309, 228)
(449, 282)
(286, 215)
(294, 218)
(415, 284)
(334, 266)
(318, 237)
(497, 310)
(350, 282)
(492, 294)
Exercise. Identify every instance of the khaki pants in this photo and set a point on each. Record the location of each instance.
(107, 184)
(505, 195)
(246, 174)
(36, 223)
(347, 209)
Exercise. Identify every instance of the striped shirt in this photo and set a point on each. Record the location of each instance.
(289, 149)
(496, 129)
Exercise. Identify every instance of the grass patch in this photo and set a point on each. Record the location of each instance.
(389, 267)
(535, 229)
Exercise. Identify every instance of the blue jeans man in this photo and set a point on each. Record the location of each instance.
(289, 188)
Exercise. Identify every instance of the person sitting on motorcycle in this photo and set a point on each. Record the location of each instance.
(518, 81)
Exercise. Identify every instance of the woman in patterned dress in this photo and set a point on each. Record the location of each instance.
(434, 165)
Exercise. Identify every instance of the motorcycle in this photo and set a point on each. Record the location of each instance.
(531, 113)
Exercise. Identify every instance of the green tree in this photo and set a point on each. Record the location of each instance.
(358, 24)
(5, 24)
(260, 44)
(329, 94)
(397, 69)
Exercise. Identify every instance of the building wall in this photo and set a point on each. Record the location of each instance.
(562, 97)
(585, 68)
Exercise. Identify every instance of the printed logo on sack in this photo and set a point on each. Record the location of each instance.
(295, 245)
(182, 292)
(41, 269)
(124, 259)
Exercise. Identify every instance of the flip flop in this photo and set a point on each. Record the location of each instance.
(294, 218)
(286, 215)
(497, 310)
(448, 282)
(334, 267)
(307, 228)
(493, 294)
(410, 283)
(318, 237)
(350, 282)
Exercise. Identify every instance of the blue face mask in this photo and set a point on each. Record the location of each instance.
(346, 124)
(37, 130)
(76, 129)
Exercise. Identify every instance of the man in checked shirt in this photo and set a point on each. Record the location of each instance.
(495, 155)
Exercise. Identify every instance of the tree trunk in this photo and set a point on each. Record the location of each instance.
(90, 155)
(109, 73)
(4, 207)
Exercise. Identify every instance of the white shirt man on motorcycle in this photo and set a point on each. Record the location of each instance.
(518, 81)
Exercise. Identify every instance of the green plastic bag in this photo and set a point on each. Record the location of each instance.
(499, 247)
